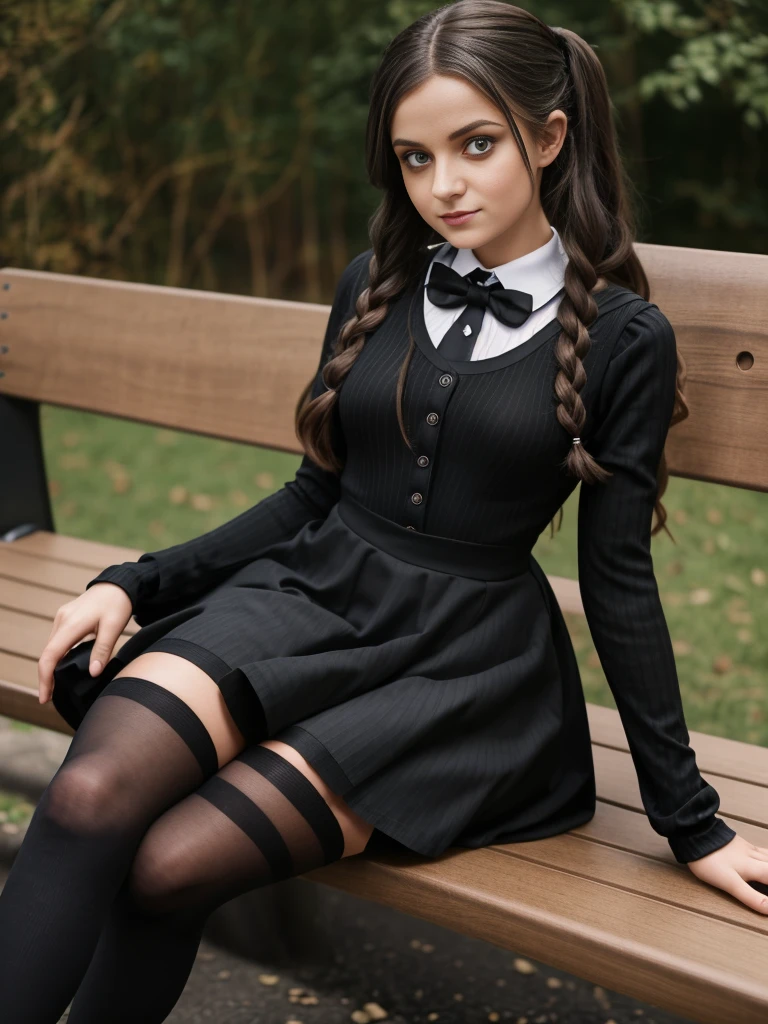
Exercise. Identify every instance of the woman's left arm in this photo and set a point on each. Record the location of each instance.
(625, 615)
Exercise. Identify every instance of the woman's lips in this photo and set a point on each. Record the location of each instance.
(460, 218)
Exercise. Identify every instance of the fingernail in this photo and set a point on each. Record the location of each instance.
(95, 666)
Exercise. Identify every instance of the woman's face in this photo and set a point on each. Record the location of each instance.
(457, 153)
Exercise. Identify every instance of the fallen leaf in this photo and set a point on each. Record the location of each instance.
(374, 1011)
(177, 495)
(201, 502)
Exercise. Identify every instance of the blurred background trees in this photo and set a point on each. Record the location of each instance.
(220, 146)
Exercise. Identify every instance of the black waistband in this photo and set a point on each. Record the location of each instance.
(458, 557)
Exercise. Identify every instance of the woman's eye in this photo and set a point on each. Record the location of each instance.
(485, 143)
(408, 156)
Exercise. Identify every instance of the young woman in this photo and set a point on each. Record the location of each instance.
(372, 652)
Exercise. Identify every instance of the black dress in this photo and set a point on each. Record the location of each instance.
(392, 623)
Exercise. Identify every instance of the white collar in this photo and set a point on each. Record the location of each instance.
(541, 272)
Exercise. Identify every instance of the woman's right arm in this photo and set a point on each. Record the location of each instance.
(197, 565)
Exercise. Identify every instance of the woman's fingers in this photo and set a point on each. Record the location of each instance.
(751, 897)
(95, 613)
(106, 638)
(63, 637)
(732, 868)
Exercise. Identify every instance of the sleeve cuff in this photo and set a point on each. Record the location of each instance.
(687, 848)
(138, 581)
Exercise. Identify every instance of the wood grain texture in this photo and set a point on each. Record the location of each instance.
(717, 303)
(679, 956)
(231, 366)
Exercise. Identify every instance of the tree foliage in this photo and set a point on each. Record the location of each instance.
(181, 143)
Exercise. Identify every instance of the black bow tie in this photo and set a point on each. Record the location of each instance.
(446, 287)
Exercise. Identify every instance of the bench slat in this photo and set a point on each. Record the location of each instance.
(744, 800)
(66, 578)
(19, 670)
(730, 758)
(227, 366)
(683, 960)
(60, 548)
(644, 876)
(622, 828)
(39, 601)
(145, 352)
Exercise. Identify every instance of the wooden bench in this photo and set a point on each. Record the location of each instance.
(607, 901)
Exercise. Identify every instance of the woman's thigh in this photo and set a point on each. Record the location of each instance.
(201, 693)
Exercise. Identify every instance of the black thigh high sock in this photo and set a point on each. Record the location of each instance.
(138, 751)
(258, 820)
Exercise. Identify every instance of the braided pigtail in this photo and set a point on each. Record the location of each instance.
(585, 194)
(398, 252)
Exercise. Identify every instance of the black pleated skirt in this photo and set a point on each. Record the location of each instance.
(430, 682)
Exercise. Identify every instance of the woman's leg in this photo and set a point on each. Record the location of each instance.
(265, 816)
(158, 731)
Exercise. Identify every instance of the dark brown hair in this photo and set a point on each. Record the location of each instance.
(527, 69)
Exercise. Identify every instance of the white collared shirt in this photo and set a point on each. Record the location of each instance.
(541, 273)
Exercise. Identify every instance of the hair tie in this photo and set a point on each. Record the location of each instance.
(577, 440)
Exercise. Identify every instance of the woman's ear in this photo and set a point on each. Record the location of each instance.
(552, 138)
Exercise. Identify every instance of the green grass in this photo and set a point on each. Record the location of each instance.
(131, 484)
(13, 809)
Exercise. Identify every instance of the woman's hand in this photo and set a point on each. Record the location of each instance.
(104, 609)
(732, 867)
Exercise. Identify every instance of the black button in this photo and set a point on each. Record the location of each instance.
(432, 418)
(446, 379)
(417, 498)
(423, 460)
(410, 527)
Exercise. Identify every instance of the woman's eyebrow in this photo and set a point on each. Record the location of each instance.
(454, 135)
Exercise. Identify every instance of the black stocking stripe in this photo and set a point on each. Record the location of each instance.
(305, 798)
(253, 821)
(174, 711)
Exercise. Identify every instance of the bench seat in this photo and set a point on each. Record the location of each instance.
(606, 901)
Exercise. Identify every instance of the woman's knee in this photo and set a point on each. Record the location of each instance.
(83, 795)
(153, 883)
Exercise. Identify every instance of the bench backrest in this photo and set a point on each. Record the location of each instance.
(231, 366)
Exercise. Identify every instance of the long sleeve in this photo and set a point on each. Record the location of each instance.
(620, 593)
(183, 571)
